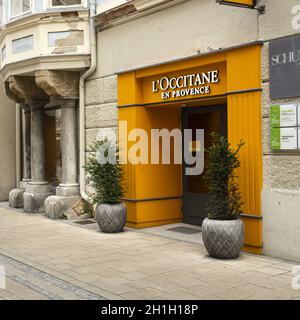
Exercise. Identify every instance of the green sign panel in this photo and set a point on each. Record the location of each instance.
(275, 116)
(275, 138)
(284, 115)
(284, 127)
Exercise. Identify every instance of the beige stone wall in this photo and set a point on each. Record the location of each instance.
(281, 172)
(277, 20)
(7, 145)
(101, 106)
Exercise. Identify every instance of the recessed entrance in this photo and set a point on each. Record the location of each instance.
(195, 193)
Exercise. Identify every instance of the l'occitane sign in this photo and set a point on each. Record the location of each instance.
(186, 85)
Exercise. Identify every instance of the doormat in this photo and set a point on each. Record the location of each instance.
(85, 222)
(185, 230)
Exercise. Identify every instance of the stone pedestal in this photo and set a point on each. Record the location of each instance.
(66, 197)
(16, 198)
(35, 196)
(68, 190)
(57, 206)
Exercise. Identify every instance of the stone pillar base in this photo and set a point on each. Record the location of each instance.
(57, 206)
(68, 190)
(16, 198)
(23, 184)
(35, 196)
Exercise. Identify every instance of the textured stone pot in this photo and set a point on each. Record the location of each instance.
(111, 218)
(223, 239)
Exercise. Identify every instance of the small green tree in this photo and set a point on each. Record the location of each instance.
(225, 201)
(105, 176)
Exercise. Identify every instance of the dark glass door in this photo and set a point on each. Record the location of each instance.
(195, 193)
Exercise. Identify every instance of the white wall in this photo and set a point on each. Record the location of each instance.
(103, 5)
(178, 31)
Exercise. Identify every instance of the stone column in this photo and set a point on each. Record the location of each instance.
(69, 186)
(23, 90)
(26, 138)
(38, 190)
(16, 195)
(37, 143)
(64, 85)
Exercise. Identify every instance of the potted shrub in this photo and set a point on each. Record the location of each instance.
(223, 231)
(105, 177)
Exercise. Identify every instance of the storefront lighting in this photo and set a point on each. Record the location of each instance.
(244, 4)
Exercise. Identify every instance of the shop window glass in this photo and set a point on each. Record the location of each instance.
(18, 7)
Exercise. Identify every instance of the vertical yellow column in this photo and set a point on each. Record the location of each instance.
(129, 96)
(244, 123)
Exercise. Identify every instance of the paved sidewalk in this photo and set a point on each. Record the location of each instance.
(47, 259)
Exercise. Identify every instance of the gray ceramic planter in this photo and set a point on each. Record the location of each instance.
(111, 218)
(223, 239)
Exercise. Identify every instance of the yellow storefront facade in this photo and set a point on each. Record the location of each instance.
(230, 78)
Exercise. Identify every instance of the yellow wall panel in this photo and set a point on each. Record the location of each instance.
(241, 2)
(253, 234)
(244, 123)
(128, 115)
(243, 69)
(129, 89)
(155, 213)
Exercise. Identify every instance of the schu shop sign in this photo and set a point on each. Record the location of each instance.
(195, 84)
(284, 62)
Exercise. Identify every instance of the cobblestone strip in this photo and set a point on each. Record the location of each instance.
(59, 283)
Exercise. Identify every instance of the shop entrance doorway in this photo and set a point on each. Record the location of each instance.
(195, 193)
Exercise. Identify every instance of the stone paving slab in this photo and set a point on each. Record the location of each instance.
(46, 259)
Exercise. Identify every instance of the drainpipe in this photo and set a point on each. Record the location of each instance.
(18, 145)
(89, 72)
